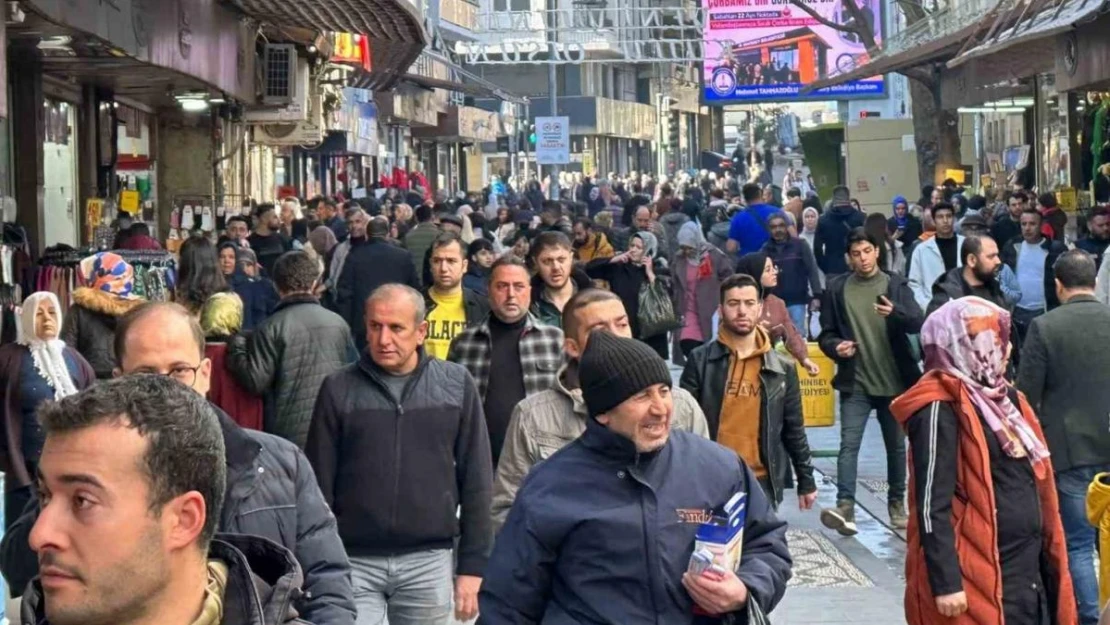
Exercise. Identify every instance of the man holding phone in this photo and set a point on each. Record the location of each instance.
(866, 319)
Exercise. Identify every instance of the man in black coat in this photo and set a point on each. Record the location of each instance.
(830, 240)
(1063, 368)
(401, 450)
(370, 263)
(978, 277)
(271, 489)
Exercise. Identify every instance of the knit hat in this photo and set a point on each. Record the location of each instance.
(612, 369)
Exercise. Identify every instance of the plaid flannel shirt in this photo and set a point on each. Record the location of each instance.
(541, 355)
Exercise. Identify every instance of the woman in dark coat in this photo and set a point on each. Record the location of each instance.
(38, 367)
(90, 324)
(629, 272)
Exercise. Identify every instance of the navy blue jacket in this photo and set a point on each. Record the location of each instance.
(798, 273)
(596, 535)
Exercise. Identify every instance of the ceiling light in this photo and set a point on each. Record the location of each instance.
(988, 109)
(218, 99)
(192, 105)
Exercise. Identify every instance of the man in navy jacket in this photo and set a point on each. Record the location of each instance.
(602, 531)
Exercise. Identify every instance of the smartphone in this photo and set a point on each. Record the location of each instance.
(879, 299)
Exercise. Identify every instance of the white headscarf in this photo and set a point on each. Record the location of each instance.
(48, 356)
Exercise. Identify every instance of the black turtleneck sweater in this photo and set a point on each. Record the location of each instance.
(506, 380)
(948, 252)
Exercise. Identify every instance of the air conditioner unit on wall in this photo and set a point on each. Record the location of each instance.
(294, 111)
(307, 132)
(279, 73)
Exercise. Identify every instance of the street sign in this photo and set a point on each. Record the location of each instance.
(552, 140)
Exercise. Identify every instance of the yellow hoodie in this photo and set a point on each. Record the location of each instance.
(1098, 513)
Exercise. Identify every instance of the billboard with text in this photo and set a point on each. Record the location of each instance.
(767, 50)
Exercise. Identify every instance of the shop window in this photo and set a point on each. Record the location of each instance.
(1052, 149)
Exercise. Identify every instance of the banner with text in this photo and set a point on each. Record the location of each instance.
(767, 50)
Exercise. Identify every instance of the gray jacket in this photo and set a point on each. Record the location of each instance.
(1062, 372)
(287, 359)
(544, 423)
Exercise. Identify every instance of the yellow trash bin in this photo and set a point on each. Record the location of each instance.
(818, 398)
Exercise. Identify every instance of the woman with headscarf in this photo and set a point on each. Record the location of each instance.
(38, 367)
(627, 273)
(776, 318)
(699, 268)
(227, 253)
(90, 324)
(322, 240)
(986, 544)
(257, 292)
(221, 318)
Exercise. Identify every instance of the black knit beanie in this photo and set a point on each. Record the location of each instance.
(612, 369)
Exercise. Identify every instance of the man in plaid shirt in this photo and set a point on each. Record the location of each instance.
(511, 355)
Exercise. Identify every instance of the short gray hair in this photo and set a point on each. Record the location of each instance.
(393, 290)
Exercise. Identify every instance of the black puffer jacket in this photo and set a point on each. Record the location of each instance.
(782, 431)
(90, 327)
(287, 358)
(260, 575)
(271, 493)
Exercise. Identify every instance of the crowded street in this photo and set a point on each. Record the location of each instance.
(592, 312)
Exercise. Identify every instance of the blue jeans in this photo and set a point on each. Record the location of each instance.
(1071, 486)
(855, 408)
(411, 589)
(798, 317)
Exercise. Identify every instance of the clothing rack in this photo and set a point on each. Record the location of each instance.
(155, 272)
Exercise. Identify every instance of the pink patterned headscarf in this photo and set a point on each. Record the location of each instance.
(968, 338)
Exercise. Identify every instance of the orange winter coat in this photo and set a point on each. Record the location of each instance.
(973, 518)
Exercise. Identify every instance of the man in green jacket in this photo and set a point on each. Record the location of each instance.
(290, 353)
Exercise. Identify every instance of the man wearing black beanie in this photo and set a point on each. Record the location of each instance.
(625, 499)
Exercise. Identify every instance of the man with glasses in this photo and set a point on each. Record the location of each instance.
(511, 355)
(271, 488)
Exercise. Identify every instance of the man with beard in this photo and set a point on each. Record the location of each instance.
(555, 281)
(1098, 235)
(739, 377)
(978, 276)
(589, 241)
(267, 241)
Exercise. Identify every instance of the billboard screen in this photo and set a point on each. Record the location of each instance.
(763, 50)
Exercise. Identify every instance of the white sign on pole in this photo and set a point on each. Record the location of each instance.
(552, 140)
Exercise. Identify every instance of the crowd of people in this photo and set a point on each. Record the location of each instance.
(414, 408)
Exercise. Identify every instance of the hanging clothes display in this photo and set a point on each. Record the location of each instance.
(155, 272)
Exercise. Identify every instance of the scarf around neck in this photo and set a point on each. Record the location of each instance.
(48, 356)
(967, 338)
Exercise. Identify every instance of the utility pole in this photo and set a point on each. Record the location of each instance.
(552, 23)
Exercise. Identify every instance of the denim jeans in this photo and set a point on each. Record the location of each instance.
(411, 589)
(798, 317)
(1071, 486)
(855, 409)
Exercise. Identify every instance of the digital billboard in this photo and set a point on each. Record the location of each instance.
(764, 50)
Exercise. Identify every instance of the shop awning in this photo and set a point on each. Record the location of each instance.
(1046, 23)
(395, 27)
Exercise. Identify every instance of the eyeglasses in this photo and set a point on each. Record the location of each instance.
(181, 373)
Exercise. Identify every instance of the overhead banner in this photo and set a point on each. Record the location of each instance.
(767, 50)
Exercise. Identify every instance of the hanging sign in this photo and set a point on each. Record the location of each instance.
(129, 201)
